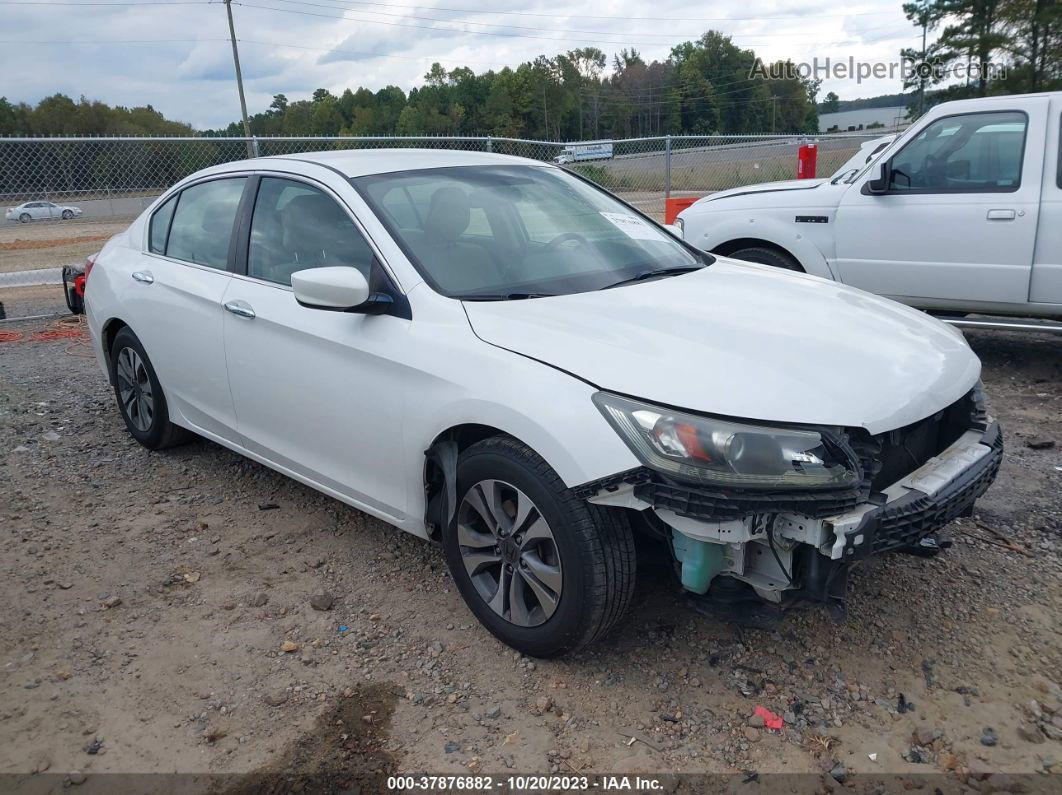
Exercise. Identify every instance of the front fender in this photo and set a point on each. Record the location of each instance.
(709, 231)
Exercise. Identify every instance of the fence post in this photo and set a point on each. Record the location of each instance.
(667, 168)
(490, 144)
(254, 145)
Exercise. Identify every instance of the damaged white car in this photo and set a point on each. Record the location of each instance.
(496, 354)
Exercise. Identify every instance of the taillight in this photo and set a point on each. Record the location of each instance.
(88, 265)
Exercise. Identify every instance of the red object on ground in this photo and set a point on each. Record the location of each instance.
(10, 336)
(672, 207)
(79, 284)
(806, 156)
(73, 332)
(770, 720)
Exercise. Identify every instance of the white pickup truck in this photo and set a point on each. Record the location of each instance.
(962, 213)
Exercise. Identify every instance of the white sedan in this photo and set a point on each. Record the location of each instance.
(39, 211)
(496, 354)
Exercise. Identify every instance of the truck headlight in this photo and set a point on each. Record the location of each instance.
(726, 453)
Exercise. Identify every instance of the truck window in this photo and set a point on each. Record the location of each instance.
(976, 152)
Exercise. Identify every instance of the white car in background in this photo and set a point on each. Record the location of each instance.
(496, 354)
(961, 213)
(39, 211)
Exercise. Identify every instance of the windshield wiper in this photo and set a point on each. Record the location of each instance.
(641, 277)
(505, 296)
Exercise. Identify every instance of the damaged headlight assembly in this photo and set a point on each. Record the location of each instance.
(725, 453)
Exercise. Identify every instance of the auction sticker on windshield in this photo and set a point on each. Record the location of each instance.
(633, 226)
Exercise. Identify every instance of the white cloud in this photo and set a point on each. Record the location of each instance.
(192, 80)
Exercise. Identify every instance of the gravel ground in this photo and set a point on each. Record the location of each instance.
(193, 611)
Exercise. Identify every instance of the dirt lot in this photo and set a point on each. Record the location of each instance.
(147, 600)
(48, 244)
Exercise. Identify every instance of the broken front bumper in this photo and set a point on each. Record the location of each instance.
(941, 490)
(797, 547)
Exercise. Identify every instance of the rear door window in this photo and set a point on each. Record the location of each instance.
(201, 229)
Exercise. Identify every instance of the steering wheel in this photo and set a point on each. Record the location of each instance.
(563, 238)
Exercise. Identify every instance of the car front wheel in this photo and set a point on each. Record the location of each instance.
(24, 218)
(543, 570)
(67, 215)
(139, 394)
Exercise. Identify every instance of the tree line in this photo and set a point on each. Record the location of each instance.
(1022, 36)
(702, 87)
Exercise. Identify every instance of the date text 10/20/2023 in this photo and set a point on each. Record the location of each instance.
(521, 783)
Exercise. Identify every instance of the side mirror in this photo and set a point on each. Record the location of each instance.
(338, 289)
(881, 183)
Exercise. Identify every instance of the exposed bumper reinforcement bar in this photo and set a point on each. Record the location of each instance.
(943, 489)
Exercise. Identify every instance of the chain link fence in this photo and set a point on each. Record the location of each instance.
(62, 198)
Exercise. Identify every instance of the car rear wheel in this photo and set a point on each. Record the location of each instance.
(139, 394)
(767, 256)
(67, 215)
(24, 218)
(543, 570)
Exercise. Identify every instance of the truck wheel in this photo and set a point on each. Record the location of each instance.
(140, 398)
(543, 570)
(767, 256)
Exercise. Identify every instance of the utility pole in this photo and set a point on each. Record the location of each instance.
(922, 77)
(239, 80)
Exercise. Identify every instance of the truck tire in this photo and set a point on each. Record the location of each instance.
(767, 256)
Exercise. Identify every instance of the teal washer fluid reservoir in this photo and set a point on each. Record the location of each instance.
(700, 560)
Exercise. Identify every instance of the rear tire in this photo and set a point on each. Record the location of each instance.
(141, 401)
(767, 256)
(585, 552)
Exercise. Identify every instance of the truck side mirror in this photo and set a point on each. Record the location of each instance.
(881, 183)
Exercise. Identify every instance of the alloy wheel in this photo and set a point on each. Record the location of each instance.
(134, 389)
(509, 553)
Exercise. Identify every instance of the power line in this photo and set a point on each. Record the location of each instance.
(670, 36)
(365, 54)
(104, 42)
(142, 4)
(458, 30)
(506, 24)
(624, 18)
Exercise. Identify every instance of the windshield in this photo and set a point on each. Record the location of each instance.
(495, 232)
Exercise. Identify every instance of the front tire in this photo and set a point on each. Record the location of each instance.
(24, 218)
(767, 256)
(139, 393)
(543, 570)
(67, 215)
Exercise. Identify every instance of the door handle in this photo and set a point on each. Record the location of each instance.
(241, 308)
(144, 277)
(1001, 215)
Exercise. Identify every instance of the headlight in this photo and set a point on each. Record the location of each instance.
(726, 453)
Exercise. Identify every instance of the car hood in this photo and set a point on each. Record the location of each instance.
(745, 341)
(764, 187)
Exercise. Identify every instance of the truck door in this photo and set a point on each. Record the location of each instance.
(1046, 284)
(957, 221)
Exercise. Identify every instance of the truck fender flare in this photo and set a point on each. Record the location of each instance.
(773, 233)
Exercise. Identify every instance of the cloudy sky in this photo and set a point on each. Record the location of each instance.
(176, 55)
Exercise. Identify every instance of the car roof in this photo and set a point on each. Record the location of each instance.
(364, 162)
